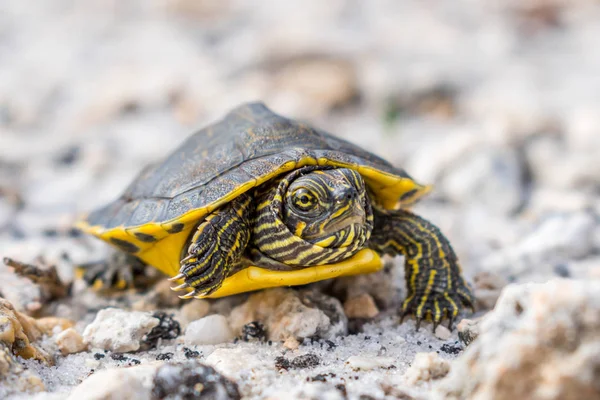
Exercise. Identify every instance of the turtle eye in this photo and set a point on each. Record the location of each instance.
(304, 200)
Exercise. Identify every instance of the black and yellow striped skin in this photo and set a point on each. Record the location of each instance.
(434, 281)
(258, 200)
(216, 247)
(337, 227)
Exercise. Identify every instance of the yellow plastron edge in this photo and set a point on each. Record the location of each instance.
(254, 278)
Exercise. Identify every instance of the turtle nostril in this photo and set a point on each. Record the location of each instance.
(346, 195)
(351, 194)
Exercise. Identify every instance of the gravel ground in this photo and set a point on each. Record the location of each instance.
(495, 103)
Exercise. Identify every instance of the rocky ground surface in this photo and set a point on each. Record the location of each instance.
(495, 103)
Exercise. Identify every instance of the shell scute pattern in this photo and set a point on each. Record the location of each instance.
(147, 211)
(224, 160)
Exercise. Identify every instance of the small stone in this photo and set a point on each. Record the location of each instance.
(442, 333)
(287, 312)
(194, 309)
(70, 341)
(362, 306)
(364, 363)
(236, 361)
(117, 383)
(213, 329)
(291, 343)
(426, 367)
(468, 330)
(18, 332)
(191, 380)
(118, 330)
(331, 307)
(540, 342)
(92, 363)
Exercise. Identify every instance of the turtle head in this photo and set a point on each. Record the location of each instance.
(321, 203)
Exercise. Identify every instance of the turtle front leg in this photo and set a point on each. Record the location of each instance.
(217, 245)
(436, 287)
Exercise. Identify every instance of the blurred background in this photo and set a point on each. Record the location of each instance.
(497, 103)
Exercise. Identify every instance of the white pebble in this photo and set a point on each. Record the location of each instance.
(443, 333)
(117, 383)
(118, 330)
(92, 363)
(213, 329)
(368, 363)
(426, 367)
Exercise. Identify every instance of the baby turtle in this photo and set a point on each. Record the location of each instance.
(258, 200)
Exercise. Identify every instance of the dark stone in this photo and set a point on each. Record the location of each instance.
(164, 356)
(342, 389)
(254, 331)
(562, 270)
(451, 348)
(192, 380)
(122, 358)
(330, 345)
(167, 329)
(309, 360)
(69, 156)
(189, 353)
(321, 377)
(282, 363)
(118, 357)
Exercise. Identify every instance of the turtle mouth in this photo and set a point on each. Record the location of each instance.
(356, 216)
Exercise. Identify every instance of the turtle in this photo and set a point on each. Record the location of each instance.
(257, 200)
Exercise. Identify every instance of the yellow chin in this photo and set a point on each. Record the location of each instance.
(255, 278)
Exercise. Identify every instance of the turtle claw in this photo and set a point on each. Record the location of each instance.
(177, 277)
(189, 295)
(437, 307)
(180, 287)
(186, 259)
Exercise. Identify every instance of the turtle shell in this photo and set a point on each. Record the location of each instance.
(250, 146)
